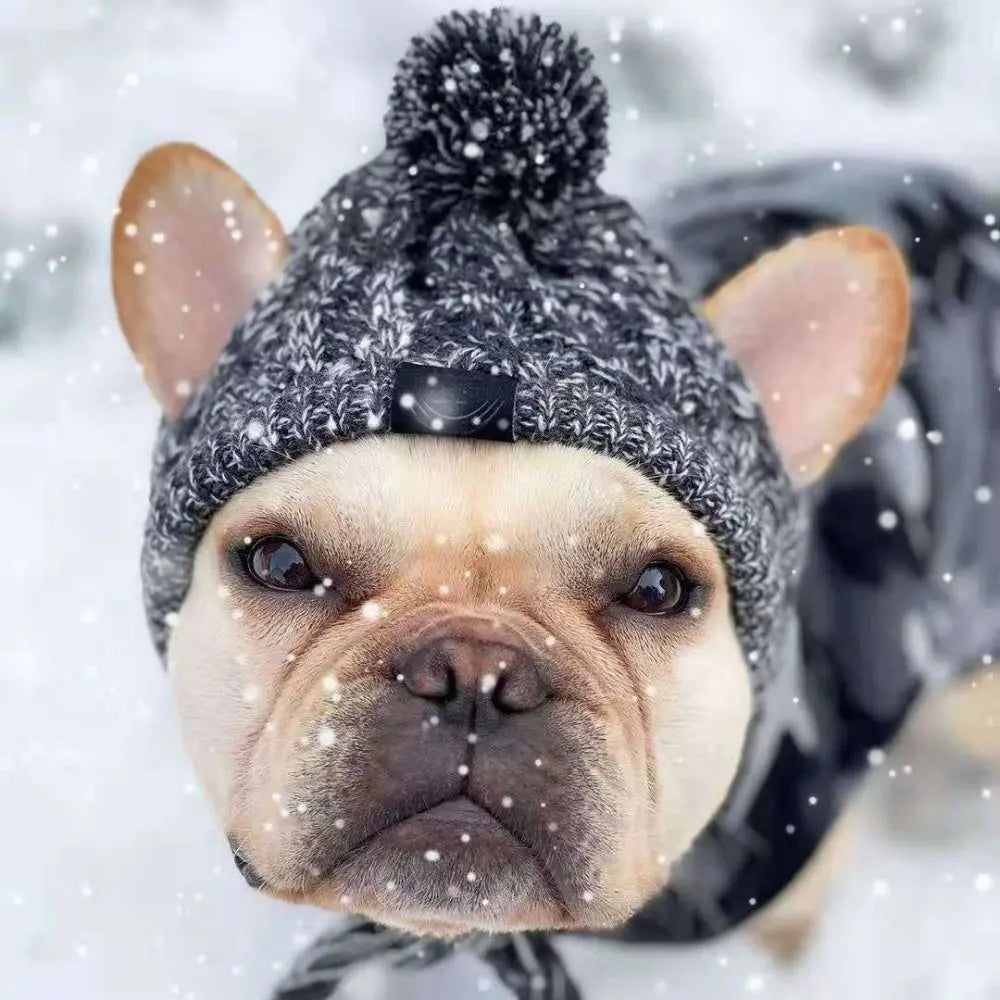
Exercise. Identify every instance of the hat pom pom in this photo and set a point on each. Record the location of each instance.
(504, 109)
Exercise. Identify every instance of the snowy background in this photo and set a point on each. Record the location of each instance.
(114, 882)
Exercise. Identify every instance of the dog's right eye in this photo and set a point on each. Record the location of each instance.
(660, 590)
(276, 563)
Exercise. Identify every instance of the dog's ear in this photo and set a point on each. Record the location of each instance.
(820, 328)
(192, 245)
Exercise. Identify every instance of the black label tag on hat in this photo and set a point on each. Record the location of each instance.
(449, 403)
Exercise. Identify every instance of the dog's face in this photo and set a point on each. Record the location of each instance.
(516, 698)
(459, 685)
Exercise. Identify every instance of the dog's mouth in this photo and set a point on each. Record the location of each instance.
(445, 870)
(422, 827)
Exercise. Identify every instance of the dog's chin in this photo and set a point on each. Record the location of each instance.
(446, 871)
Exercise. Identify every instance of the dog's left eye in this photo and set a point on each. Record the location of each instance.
(276, 563)
(660, 590)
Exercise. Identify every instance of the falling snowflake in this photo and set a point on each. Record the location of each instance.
(494, 543)
(372, 610)
(888, 519)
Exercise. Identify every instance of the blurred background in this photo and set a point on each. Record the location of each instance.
(114, 882)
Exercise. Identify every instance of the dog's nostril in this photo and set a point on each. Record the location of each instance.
(428, 673)
(519, 688)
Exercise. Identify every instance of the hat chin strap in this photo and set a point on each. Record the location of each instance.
(526, 963)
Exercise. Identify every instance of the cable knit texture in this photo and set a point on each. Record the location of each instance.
(480, 240)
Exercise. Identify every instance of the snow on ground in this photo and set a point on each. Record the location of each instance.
(114, 882)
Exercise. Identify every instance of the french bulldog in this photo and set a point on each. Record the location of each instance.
(468, 681)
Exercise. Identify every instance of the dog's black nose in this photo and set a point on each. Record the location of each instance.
(463, 668)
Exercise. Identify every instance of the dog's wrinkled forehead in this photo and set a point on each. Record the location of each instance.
(383, 500)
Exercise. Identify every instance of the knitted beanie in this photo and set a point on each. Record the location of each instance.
(474, 280)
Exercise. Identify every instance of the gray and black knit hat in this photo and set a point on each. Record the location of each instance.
(473, 279)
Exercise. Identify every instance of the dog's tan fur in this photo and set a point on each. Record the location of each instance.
(183, 219)
(286, 700)
(970, 715)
